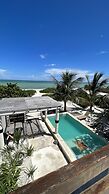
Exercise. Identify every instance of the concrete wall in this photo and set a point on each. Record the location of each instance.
(69, 178)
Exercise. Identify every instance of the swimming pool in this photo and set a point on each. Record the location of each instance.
(71, 130)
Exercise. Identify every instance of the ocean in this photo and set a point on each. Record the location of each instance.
(25, 84)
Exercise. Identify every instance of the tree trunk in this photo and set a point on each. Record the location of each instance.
(91, 103)
(64, 106)
(91, 107)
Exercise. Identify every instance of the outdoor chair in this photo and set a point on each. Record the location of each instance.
(83, 117)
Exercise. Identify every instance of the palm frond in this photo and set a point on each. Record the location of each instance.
(96, 80)
(94, 86)
(77, 81)
(104, 82)
(64, 88)
(55, 80)
(68, 77)
(87, 78)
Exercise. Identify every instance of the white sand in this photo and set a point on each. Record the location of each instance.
(37, 93)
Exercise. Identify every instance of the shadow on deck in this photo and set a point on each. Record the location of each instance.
(31, 128)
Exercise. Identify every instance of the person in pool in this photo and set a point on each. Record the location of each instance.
(81, 145)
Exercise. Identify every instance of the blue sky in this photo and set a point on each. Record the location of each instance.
(43, 37)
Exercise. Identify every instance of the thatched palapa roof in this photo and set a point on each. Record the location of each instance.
(27, 103)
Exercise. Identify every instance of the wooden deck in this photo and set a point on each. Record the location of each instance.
(32, 128)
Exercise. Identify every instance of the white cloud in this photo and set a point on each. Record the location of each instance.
(58, 71)
(2, 72)
(43, 56)
(102, 52)
(50, 65)
(6, 74)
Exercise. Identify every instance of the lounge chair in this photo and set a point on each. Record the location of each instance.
(83, 117)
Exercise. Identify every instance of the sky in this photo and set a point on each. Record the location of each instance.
(43, 37)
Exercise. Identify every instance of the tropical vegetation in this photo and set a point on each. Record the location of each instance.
(95, 86)
(9, 170)
(12, 159)
(80, 97)
(30, 172)
(28, 150)
(89, 96)
(65, 88)
(48, 90)
(17, 136)
(13, 90)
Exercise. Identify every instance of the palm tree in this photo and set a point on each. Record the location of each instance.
(65, 87)
(95, 86)
(81, 98)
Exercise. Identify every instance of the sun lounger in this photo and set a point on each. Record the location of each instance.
(83, 117)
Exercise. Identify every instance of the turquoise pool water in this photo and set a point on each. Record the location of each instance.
(71, 130)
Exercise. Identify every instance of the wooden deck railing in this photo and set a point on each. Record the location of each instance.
(87, 175)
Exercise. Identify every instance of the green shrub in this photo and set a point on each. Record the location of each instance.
(80, 97)
(83, 102)
(9, 171)
(28, 150)
(105, 90)
(30, 172)
(102, 101)
(48, 90)
(12, 90)
(17, 136)
(28, 93)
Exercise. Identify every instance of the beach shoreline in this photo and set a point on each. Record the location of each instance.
(37, 93)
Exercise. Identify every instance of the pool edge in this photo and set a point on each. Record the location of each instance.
(69, 154)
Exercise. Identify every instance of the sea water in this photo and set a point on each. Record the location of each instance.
(25, 84)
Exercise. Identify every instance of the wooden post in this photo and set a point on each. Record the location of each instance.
(57, 121)
(3, 119)
(25, 125)
(1, 138)
(45, 114)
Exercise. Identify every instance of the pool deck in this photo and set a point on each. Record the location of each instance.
(46, 157)
(70, 155)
